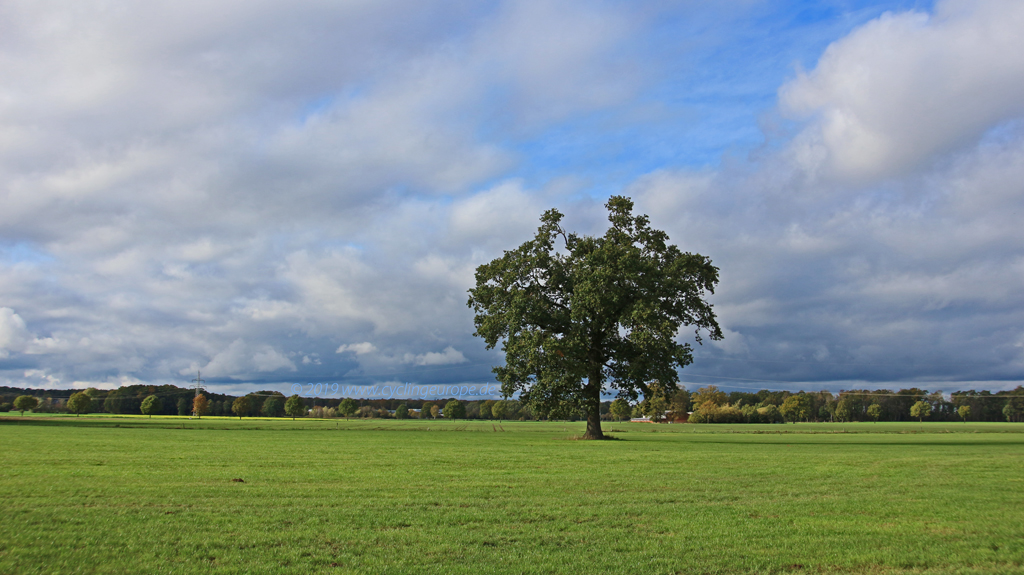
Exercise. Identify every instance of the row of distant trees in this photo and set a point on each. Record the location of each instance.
(172, 400)
(706, 405)
(276, 405)
(712, 405)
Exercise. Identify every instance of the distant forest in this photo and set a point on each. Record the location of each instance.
(705, 405)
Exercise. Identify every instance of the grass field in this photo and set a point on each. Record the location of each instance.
(138, 495)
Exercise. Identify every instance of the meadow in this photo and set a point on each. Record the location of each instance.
(100, 494)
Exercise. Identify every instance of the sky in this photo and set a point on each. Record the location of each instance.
(276, 192)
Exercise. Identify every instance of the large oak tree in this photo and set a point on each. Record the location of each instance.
(579, 315)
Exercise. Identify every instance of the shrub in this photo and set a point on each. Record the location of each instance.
(770, 414)
(750, 414)
(709, 412)
(729, 414)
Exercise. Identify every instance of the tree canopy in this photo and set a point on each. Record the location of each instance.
(875, 411)
(796, 408)
(79, 402)
(920, 410)
(680, 405)
(620, 409)
(295, 407)
(454, 409)
(579, 315)
(1009, 410)
(241, 406)
(25, 403)
(200, 405)
(151, 405)
(272, 407)
(347, 407)
(425, 412)
(710, 393)
(498, 409)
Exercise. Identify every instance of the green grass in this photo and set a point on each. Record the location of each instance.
(133, 495)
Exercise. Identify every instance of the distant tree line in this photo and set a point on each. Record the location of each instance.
(172, 400)
(705, 405)
(711, 405)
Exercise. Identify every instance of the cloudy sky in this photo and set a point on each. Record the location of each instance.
(299, 192)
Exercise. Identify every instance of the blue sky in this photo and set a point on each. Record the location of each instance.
(713, 76)
(276, 194)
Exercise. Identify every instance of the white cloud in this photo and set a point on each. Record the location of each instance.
(240, 359)
(108, 383)
(560, 57)
(15, 337)
(228, 363)
(733, 343)
(911, 280)
(907, 86)
(450, 355)
(269, 359)
(13, 333)
(361, 348)
(503, 207)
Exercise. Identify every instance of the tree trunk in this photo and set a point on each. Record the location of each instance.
(594, 423)
(592, 402)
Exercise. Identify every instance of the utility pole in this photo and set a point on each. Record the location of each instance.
(199, 381)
